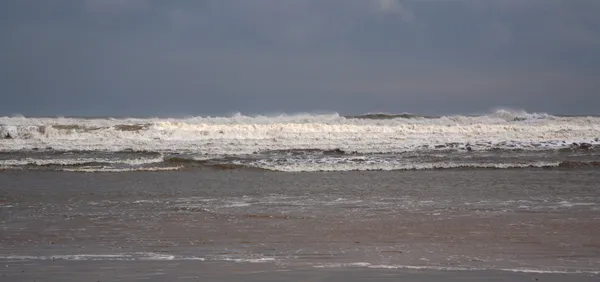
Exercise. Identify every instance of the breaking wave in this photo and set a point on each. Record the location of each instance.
(302, 142)
(295, 161)
(245, 135)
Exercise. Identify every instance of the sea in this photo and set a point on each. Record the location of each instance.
(509, 195)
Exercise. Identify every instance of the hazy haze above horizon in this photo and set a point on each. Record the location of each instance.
(210, 57)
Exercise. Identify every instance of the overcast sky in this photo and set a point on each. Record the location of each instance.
(208, 57)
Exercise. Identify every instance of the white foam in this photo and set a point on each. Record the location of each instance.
(369, 265)
(244, 135)
(249, 260)
(567, 204)
(310, 166)
(454, 268)
(145, 202)
(236, 205)
(9, 168)
(131, 256)
(77, 161)
(550, 271)
(158, 257)
(109, 169)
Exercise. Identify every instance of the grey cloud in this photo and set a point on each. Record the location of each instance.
(395, 7)
(113, 6)
(147, 57)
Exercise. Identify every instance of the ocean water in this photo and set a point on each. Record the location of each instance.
(505, 192)
(518, 220)
(296, 143)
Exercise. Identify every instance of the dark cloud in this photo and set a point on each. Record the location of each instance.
(145, 57)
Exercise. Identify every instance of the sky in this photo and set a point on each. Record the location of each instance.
(218, 57)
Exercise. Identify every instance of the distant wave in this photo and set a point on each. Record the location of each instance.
(386, 116)
(77, 142)
(503, 112)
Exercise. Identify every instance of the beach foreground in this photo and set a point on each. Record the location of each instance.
(248, 225)
(194, 271)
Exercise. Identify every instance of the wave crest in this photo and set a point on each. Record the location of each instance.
(237, 135)
(517, 115)
(304, 161)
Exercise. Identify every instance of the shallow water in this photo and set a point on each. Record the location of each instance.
(503, 220)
